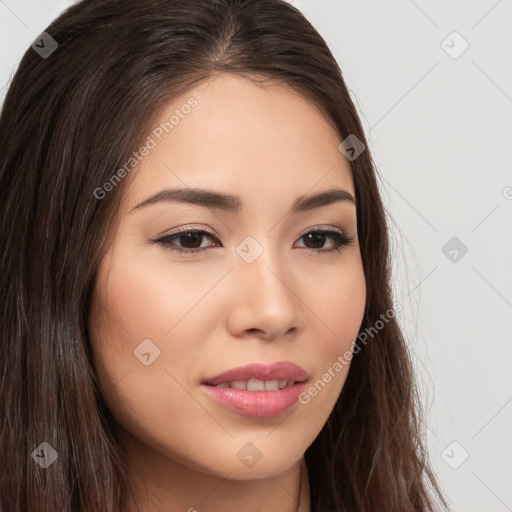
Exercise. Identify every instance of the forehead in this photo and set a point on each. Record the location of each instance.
(230, 133)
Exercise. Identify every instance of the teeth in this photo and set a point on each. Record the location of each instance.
(282, 383)
(257, 385)
(271, 385)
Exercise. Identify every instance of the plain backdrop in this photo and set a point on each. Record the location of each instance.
(432, 81)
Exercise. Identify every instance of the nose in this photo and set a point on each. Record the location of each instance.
(264, 302)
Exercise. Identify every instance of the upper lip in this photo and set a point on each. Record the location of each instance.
(260, 371)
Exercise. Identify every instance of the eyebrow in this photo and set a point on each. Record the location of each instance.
(231, 203)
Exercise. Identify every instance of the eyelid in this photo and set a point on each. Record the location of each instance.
(186, 229)
(322, 227)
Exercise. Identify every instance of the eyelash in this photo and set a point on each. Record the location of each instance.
(340, 239)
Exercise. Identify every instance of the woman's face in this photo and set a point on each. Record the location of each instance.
(259, 291)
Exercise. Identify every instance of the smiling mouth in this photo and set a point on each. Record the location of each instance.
(256, 398)
(256, 385)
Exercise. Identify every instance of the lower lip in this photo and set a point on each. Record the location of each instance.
(256, 404)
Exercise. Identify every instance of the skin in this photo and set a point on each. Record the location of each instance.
(267, 145)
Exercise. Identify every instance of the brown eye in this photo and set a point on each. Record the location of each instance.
(316, 240)
(190, 240)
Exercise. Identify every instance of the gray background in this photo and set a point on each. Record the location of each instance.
(439, 125)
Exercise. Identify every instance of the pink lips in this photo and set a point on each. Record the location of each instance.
(257, 404)
(259, 371)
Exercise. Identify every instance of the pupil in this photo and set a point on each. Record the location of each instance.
(190, 238)
(317, 238)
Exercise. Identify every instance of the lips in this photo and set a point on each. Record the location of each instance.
(280, 371)
(257, 390)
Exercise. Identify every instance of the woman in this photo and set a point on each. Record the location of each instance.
(144, 369)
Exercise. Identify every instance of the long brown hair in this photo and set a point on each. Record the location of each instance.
(68, 121)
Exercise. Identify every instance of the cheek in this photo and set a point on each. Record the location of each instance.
(146, 304)
(338, 299)
(150, 325)
(143, 346)
(144, 322)
(146, 297)
(339, 305)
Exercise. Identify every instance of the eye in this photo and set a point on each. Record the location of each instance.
(191, 240)
(317, 238)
